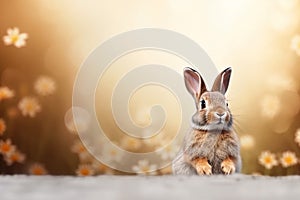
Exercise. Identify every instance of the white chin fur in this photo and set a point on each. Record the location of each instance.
(210, 127)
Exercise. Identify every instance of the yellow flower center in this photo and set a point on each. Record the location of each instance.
(14, 38)
(5, 148)
(288, 160)
(45, 87)
(84, 172)
(38, 171)
(268, 159)
(14, 157)
(29, 106)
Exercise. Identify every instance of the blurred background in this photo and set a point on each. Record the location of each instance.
(43, 44)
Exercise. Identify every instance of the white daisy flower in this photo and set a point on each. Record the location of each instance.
(288, 159)
(6, 93)
(85, 170)
(14, 37)
(267, 159)
(29, 106)
(45, 86)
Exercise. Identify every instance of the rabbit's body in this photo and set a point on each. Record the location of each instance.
(211, 147)
(214, 146)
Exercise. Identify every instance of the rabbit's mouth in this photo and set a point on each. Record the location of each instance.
(219, 124)
(220, 121)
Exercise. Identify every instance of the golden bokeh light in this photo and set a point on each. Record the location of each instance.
(258, 39)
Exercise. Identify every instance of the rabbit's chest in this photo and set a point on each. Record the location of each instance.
(215, 147)
(216, 150)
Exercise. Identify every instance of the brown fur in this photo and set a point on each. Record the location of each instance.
(211, 147)
(215, 147)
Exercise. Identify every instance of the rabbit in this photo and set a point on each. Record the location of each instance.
(212, 146)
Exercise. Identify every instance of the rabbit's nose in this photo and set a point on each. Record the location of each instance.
(220, 115)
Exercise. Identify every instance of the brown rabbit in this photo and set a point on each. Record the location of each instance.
(211, 147)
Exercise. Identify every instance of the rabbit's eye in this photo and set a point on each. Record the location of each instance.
(227, 104)
(203, 104)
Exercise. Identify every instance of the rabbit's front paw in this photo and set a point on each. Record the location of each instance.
(203, 167)
(227, 166)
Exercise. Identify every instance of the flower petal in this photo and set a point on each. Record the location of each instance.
(7, 40)
(20, 43)
(23, 36)
(15, 31)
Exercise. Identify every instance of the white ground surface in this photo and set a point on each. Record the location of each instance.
(239, 187)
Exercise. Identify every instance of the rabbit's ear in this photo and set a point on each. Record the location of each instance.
(194, 83)
(222, 81)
